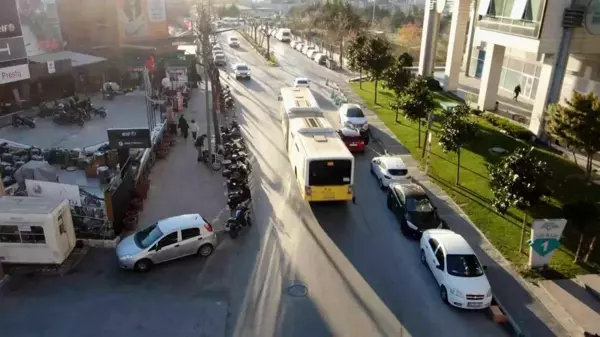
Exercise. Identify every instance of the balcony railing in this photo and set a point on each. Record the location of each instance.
(507, 25)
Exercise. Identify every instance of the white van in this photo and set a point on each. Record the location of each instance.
(284, 35)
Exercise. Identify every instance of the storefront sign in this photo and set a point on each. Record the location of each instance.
(9, 19)
(129, 138)
(41, 26)
(12, 48)
(14, 74)
(46, 189)
(545, 239)
(51, 67)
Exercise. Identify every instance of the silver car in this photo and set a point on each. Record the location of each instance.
(166, 240)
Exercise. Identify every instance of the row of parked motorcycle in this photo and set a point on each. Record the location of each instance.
(236, 171)
(71, 111)
(226, 99)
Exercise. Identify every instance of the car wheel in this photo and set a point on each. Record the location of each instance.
(143, 265)
(205, 250)
(444, 294)
(423, 258)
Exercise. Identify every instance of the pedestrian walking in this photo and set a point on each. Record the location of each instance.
(194, 128)
(184, 126)
(517, 91)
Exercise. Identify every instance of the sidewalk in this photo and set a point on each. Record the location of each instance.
(180, 184)
(527, 315)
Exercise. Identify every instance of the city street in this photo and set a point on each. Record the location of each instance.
(124, 111)
(362, 277)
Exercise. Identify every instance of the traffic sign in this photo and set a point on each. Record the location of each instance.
(545, 239)
(544, 247)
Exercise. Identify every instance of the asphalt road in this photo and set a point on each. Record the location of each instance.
(362, 277)
(124, 111)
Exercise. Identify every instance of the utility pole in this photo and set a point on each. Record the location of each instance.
(373, 16)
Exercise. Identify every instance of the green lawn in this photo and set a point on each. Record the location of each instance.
(473, 194)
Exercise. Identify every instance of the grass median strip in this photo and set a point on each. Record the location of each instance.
(473, 194)
(271, 60)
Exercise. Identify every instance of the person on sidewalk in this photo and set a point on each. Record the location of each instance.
(517, 92)
(199, 144)
(194, 127)
(184, 126)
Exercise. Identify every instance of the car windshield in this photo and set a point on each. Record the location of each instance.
(241, 67)
(398, 172)
(233, 39)
(419, 203)
(464, 266)
(147, 236)
(355, 112)
(301, 82)
(219, 56)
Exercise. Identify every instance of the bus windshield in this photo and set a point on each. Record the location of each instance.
(329, 172)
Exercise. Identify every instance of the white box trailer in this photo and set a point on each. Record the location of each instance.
(35, 230)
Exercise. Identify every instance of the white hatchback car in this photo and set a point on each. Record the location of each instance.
(389, 169)
(301, 82)
(456, 268)
(352, 116)
(166, 240)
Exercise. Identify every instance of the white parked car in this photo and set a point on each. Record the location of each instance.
(352, 116)
(456, 268)
(241, 70)
(389, 169)
(299, 46)
(301, 82)
(311, 54)
(293, 44)
(306, 49)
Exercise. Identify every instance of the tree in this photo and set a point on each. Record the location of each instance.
(416, 101)
(577, 123)
(405, 60)
(458, 130)
(396, 77)
(519, 180)
(581, 214)
(410, 35)
(377, 58)
(356, 53)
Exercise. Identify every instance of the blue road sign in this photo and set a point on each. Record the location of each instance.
(544, 247)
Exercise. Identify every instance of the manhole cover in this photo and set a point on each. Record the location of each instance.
(497, 151)
(297, 290)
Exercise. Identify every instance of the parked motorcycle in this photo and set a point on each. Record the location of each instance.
(20, 121)
(64, 118)
(89, 107)
(241, 218)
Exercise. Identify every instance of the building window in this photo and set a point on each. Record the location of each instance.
(22, 234)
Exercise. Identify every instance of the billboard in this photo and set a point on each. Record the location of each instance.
(141, 20)
(13, 57)
(40, 25)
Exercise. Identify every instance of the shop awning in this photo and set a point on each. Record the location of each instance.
(77, 59)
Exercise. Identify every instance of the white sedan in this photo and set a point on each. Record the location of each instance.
(301, 82)
(389, 169)
(352, 116)
(457, 270)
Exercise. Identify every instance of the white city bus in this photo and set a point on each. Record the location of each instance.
(323, 166)
(297, 102)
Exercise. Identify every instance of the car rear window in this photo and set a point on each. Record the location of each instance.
(302, 82)
(242, 68)
(233, 39)
(398, 172)
(355, 112)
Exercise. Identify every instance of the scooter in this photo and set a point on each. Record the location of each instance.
(20, 121)
(242, 218)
